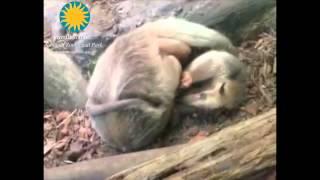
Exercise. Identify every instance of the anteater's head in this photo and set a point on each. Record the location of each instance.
(225, 94)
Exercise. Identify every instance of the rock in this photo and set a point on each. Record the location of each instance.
(64, 86)
(52, 26)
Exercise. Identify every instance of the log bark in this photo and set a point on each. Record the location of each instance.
(241, 151)
(64, 86)
(98, 169)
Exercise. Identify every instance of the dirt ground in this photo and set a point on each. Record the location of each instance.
(69, 138)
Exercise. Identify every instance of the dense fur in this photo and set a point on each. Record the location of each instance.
(133, 86)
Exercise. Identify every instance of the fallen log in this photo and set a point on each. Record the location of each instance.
(98, 169)
(241, 151)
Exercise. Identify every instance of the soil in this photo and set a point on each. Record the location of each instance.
(69, 137)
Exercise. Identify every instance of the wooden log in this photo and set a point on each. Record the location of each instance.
(64, 86)
(240, 151)
(98, 169)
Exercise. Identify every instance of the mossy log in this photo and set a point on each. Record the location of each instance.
(242, 151)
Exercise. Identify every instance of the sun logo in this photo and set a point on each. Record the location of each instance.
(74, 16)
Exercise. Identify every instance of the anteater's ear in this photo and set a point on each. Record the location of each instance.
(222, 90)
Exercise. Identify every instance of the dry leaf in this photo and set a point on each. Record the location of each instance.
(200, 136)
(50, 144)
(57, 152)
(47, 116)
(260, 41)
(47, 126)
(251, 108)
(275, 65)
(62, 115)
(87, 123)
(64, 131)
(93, 137)
(83, 133)
(89, 132)
(76, 127)
(62, 143)
(269, 69)
(265, 95)
(67, 120)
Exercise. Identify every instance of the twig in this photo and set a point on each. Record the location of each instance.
(48, 148)
(275, 65)
(67, 120)
(264, 94)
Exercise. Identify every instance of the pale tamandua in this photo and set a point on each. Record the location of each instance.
(225, 77)
(133, 86)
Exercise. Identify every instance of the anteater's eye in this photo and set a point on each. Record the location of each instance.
(203, 96)
(222, 90)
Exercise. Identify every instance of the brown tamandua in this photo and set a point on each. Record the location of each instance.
(133, 86)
